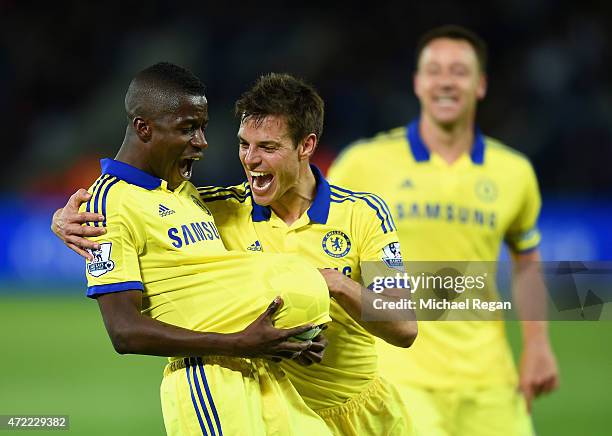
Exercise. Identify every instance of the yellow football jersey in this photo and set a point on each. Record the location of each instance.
(166, 244)
(457, 212)
(341, 230)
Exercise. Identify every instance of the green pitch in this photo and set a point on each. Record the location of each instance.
(57, 359)
(581, 405)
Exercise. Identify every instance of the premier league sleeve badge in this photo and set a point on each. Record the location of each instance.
(101, 263)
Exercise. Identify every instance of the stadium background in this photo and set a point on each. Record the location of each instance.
(64, 68)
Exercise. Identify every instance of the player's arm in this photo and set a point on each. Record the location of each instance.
(538, 371)
(353, 297)
(538, 367)
(131, 332)
(377, 243)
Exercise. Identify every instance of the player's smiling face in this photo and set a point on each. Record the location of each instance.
(448, 81)
(269, 157)
(178, 140)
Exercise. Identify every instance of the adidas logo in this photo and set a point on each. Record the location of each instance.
(164, 211)
(407, 183)
(255, 246)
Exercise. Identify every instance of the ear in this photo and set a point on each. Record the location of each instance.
(481, 90)
(307, 147)
(416, 83)
(142, 128)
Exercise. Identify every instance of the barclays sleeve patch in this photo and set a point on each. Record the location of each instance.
(101, 263)
(392, 256)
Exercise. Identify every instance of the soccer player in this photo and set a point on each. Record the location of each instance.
(286, 206)
(162, 276)
(456, 195)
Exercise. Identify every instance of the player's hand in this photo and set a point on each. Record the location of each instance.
(67, 225)
(337, 282)
(262, 339)
(538, 370)
(315, 353)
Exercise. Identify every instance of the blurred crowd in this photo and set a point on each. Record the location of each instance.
(65, 66)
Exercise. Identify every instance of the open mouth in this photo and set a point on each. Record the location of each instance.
(260, 181)
(186, 167)
(445, 101)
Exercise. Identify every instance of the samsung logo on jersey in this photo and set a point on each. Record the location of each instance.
(449, 212)
(192, 233)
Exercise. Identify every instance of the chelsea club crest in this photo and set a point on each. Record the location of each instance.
(336, 243)
(486, 190)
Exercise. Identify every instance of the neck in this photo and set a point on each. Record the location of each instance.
(131, 153)
(448, 141)
(292, 205)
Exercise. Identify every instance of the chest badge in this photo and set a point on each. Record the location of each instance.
(486, 190)
(336, 243)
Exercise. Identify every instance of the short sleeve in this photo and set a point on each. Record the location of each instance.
(115, 266)
(523, 234)
(378, 239)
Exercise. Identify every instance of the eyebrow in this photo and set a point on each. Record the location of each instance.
(241, 139)
(191, 120)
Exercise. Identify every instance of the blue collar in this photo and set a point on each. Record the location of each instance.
(421, 153)
(318, 211)
(130, 174)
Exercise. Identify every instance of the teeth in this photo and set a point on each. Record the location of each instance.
(257, 173)
(257, 187)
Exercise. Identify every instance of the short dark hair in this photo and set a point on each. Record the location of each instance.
(455, 32)
(286, 96)
(155, 89)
